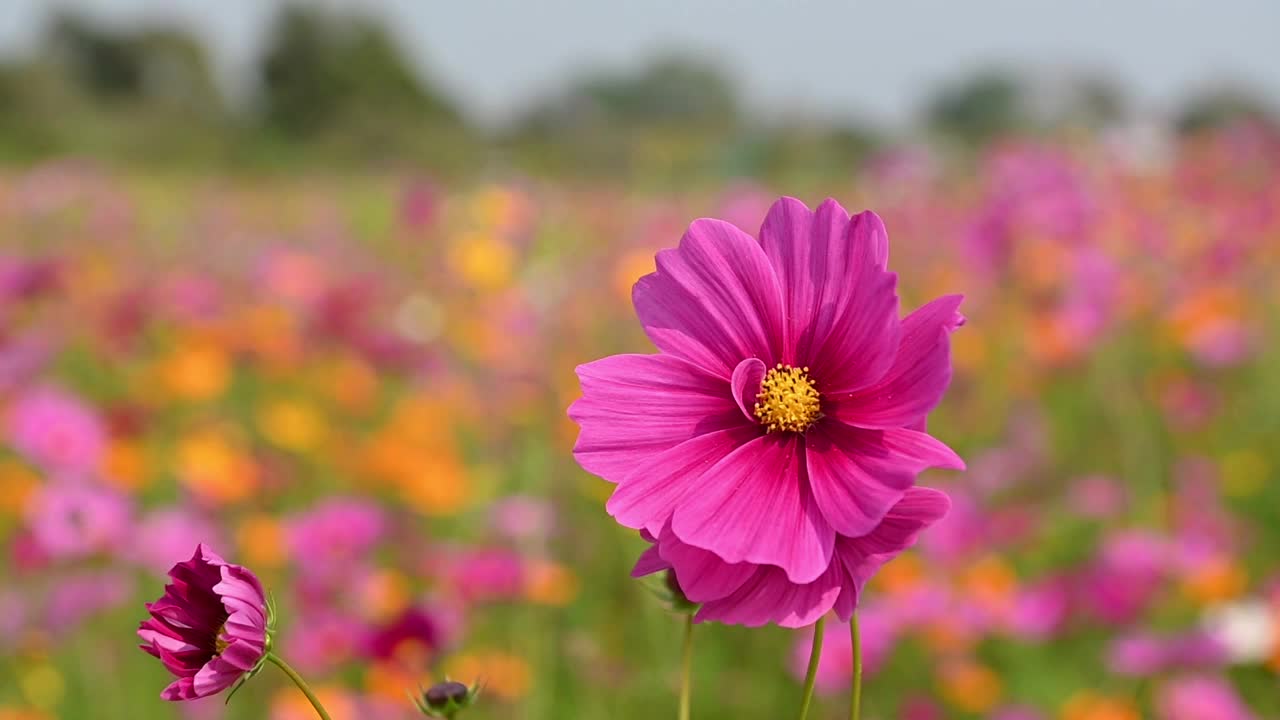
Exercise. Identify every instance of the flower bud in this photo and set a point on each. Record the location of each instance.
(446, 699)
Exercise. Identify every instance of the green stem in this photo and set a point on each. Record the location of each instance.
(815, 654)
(302, 684)
(855, 697)
(686, 681)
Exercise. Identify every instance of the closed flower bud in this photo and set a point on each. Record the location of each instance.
(446, 699)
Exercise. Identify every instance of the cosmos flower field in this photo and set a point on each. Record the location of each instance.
(357, 386)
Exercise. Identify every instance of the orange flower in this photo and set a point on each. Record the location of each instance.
(17, 482)
(124, 465)
(549, 583)
(212, 465)
(197, 370)
(261, 541)
(970, 687)
(1088, 705)
(503, 675)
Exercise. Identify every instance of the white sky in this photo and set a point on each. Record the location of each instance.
(829, 57)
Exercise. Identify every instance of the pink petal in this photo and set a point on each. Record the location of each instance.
(649, 563)
(702, 575)
(853, 497)
(746, 385)
(648, 495)
(840, 304)
(770, 597)
(755, 506)
(636, 406)
(919, 508)
(862, 557)
(713, 301)
(215, 677)
(920, 374)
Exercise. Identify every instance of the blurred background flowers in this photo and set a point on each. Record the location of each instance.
(318, 303)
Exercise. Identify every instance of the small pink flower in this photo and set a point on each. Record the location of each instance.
(210, 628)
(56, 431)
(328, 539)
(70, 520)
(1201, 698)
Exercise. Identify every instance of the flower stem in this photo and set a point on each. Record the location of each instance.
(302, 684)
(855, 697)
(811, 676)
(686, 672)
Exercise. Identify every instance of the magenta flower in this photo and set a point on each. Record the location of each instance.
(72, 520)
(210, 628)
(783, 414)
(1201, 697)
(751, 594)
(56, 431)
(329, 539)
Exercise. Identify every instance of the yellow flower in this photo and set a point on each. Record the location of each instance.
(42, 685)
(292, 425)
(482, 260)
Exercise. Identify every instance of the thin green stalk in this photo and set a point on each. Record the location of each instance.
(686, 672)
(815, 654)
(855, 696)
(302, 684)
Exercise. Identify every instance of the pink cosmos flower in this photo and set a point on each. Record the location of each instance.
(70, 520)
(209, 628)
(56, 431)
(167, 534)
(1202, 698)
(327, 540)
(783, 415)
(751, 594)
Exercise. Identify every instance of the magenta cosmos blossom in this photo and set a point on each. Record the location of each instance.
(784, 413)
(210, 628)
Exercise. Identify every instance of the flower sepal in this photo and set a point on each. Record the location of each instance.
(667, 590)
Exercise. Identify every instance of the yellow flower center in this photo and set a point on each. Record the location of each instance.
(787, 400)
(219, 642)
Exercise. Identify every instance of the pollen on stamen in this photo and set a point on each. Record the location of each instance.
(787, 401)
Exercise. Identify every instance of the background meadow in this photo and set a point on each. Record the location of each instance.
(330, 330)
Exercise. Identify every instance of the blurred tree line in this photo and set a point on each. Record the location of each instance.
(336, 89)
